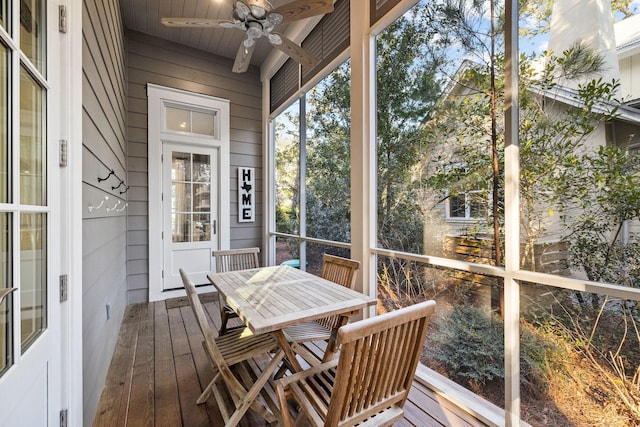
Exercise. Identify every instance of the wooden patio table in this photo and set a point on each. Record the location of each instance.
(268, 299)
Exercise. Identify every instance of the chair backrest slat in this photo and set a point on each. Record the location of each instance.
(236, 259)
(377, 362)
(342, 271)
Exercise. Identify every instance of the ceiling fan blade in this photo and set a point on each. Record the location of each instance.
(295, 51)
(301, 9)
(243, 58)
(264, 4)
(198, 22)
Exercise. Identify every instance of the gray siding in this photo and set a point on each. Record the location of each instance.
(104, 229)
(152, 60)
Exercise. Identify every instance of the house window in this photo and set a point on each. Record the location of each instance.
(467, 206)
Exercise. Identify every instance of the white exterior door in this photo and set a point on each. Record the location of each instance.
(31, 361)
(189, 184)
(190, 214)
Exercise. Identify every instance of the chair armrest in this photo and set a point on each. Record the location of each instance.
(306, 373)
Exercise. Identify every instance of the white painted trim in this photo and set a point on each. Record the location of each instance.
(71, 393)
(363, 163)
(157, 95)
(512, 219)
(74, 251)
(268, 177)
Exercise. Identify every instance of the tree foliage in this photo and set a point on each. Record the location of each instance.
(407, 87)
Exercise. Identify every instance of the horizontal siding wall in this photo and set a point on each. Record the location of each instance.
(104, 280)
(156, 61)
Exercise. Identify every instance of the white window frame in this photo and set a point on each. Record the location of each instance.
(158, 98)
(467, 208)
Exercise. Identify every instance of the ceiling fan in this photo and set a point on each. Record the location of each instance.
(257, 18)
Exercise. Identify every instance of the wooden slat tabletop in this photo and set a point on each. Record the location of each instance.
(270, 298)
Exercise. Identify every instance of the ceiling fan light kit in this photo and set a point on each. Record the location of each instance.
(257, 18)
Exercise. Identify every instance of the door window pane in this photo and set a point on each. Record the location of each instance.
(201, 168)
(32, 146)
(6, 328)
(201, 227)
(31, 31)
(33, 283)
(5, 146)
(190, 197)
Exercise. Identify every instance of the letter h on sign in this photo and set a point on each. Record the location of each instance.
(246, 195)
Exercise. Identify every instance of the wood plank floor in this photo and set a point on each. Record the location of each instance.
(159, 369)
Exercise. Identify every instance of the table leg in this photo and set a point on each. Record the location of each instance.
(288, 351)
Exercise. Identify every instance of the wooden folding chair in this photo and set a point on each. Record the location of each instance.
(229, 355)
(369, 382)
(342, 271)
(232, 260)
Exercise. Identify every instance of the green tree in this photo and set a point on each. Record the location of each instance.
(407, 87)
(328, 157)
(287, 156)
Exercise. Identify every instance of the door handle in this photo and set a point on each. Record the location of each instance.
(215, 228)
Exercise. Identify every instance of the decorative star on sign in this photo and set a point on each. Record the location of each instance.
(246, 187)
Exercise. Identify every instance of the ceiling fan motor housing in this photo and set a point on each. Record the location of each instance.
(254, 29)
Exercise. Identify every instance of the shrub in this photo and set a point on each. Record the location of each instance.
(469, 343)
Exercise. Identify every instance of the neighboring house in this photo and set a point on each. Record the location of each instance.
(465, 213)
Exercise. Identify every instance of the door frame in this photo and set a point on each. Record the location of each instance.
(158, 97)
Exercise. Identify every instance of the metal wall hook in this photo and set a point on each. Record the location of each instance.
(93, 208)
(123, 208)
(125, 190)
(111, 172)
(114, 206)
(119, 185)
